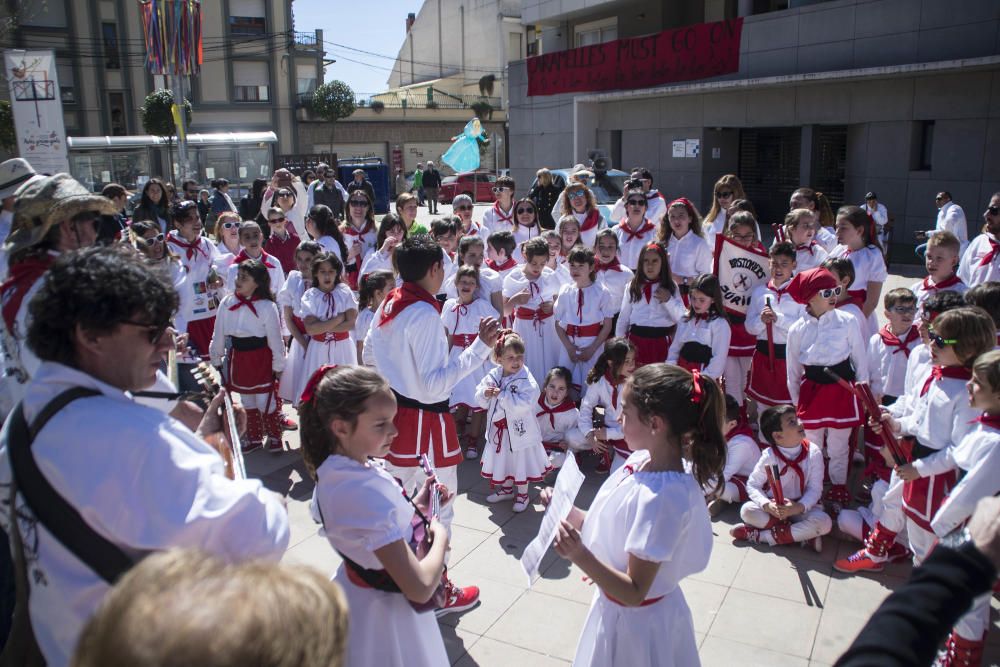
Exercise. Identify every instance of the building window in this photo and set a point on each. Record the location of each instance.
(247, 18)
(595, 32)
(109, 34)
(116, 114)
(50, 14)
(305, 80)
(922, 145)
(67, 83)
(514, 46)
(251, 82)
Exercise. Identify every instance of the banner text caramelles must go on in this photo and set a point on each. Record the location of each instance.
(683, 54)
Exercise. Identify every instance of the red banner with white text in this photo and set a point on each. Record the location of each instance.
(682, 54)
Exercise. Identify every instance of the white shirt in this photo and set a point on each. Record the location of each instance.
(463, 319)
(490, 283)
(887, 365)
(596, 305)
(742, 454)
(376, 261)
(559, 426)
(291, 292)
(274, 271)
(327, 305)
(545, 288)
(717, 226)
(826, 238)
(496, 219)
(411, 352)
(690, 255)
(970, 268)
(785, 308)
(791, 487)
(329, 244)
(978, 454)
(917, 368)
(941, 417)
(616, 282)
(601, 394)
(151, 486)
(656, 207)
(243, 323)
(951, 218)
(825, 341)
(651, 313)
(365, 237)
(880, 214)
(714, 333)
(809, 256)
(927, 288)
(869, 265)
(202, 300)
(632, 241)
(522, 234)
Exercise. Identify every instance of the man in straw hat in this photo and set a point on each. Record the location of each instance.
(52, 215)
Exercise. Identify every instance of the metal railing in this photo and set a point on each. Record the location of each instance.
(305, 40)
(415, 100)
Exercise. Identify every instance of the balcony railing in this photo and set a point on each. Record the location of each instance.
(439, 100)
(305, 40)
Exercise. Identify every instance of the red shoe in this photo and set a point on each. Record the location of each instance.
(744, 533)
(898, 553)
(287, 424)
(458, 599)
(859, 561)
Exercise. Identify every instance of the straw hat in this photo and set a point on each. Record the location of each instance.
(48, 201)
(15, 173)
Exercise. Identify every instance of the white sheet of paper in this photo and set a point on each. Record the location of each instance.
(568, 483)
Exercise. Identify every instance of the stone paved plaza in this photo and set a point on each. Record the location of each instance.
(767, 606)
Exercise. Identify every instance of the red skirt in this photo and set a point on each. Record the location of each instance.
(250, 371)
(923, 497)
(741, 343)
(828, 406)
(200, 334)
(424, 432)
(649, 350)
(621, 448)
(766, 386)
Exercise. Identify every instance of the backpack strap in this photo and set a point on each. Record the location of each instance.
(53, 511)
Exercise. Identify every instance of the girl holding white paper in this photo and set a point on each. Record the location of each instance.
(648, 527)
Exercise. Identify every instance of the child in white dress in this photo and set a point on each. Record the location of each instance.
(513, 455)
(689, 253)
(346, 422)
(328, 311)
(800, 230)
(372, 288)
(702, 339)
(858, 241)
(584, 314)
(605, 384)
(610, 271)
(461, 317)
(289, 298)
(650, 307)
(558, 416)
(648, 527)
(529, 295)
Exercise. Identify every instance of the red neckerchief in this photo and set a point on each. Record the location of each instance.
(806, 246)
(633, 234)
(939, 372)
(565, 406)
(351, 230)
(243, 256)
(994, 249)
(593, 217)
(19, 281)
(500, 268)
(243, 301)
(892, 340)
(993, 421)
(647, 287)
(741, 429)
(944, 284)
(614, 389)
(504, 217)
(700, 316)
(613, 265)
(189, 248)
(778, 291)
(795, 465)
(399, 298)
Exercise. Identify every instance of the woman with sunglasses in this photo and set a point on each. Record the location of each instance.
(525, 225)
(463, 207)
(981, 261)
(287, 192)
(227, 237)
(635, 231)
(580, 202)
(359, 234)
(728, 189)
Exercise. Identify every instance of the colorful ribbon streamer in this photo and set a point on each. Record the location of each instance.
(171, 30)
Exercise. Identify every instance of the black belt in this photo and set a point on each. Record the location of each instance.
(920, 450)
(247, 343)
(696, 352)
(407, 402)
(888, 400)
(779, 349)
(819, 376)
(649, 332)
(377, 579)
(736, 319)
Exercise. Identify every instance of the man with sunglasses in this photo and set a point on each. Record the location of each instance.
(138, 480)
(330, 193)
(52, 215)
(642, 179)
(360, 182)
(950, 218)
(981, 262)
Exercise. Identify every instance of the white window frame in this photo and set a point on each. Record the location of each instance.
(600, 26)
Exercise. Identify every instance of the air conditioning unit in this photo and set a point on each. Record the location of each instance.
(599, 160)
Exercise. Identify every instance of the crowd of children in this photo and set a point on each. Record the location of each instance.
(553, 345)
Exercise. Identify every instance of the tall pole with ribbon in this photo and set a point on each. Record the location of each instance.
(171, 30)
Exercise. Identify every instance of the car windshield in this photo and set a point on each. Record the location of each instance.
(607, 188)
(449, 179)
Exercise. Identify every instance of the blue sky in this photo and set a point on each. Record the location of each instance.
(376, 26)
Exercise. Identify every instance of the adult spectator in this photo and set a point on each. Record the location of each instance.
(581, 175)
(154, 204)
(137, 478)
(331, 193)
(401, 184)
(146, 619)
(112, 227)
(204, 200)
(52, 215)
(950, 217)
(981, 262)
(656, 205)
(360, 182)
(220, 199)
(317, 179)
(250, 203)
(545, 193)
(418, 182)
(288, 192)
(910, 624)
(432, 181)
(880, 215)
(189, 189)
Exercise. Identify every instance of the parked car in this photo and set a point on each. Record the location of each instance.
(476, 184)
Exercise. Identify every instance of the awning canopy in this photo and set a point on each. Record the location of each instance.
(147, 140)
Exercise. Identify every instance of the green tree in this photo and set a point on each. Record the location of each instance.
(157, 118)
(333, 101)
(8, 138)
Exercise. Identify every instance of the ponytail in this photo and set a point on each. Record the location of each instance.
(611, 360)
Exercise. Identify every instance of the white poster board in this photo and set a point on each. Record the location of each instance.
(37, 108)
(568, 484)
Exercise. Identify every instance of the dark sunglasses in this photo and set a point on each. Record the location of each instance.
(526, 209)
(269, 220)
(724, 195)
(284, 194)
(463, 208)
(576, 194)
(636, 202)
(153, 331)
(993, 210)
(151, 241)
(358, 202)
(938, 341)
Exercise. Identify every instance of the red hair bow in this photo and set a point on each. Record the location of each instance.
(696, 391)
(310, 390)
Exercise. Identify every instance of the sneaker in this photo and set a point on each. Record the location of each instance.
(817, 544)
(603, 467)
(716, 506)
(275, 446)
(859, 561)
(472, 452)
(744, 533)
(287, 424)
(521, 502)
(458, 599)
(501, 494)
(250, 445)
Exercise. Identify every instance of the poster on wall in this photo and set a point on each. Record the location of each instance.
(682, 54)
(37, 109)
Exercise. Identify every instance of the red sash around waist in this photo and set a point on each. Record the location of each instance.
(584, 330)
(644, 603)
(463, 340)
(328, 337)
(523, 313)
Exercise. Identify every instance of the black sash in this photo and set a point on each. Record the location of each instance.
(819, 376)
(649, 332)
(407, 402)
(779, 349)
(696, 352)
(247, 343)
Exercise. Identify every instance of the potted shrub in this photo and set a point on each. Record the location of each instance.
(377, 106)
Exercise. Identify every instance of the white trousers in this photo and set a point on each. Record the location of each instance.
(813, 523)
(838, 441)
(735, 374)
